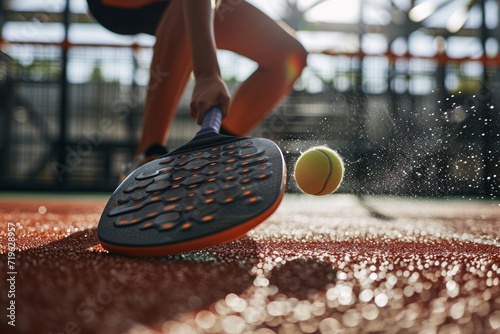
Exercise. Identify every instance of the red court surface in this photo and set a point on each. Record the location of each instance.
(333, 264)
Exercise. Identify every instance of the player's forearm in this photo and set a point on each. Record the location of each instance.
(199, 16)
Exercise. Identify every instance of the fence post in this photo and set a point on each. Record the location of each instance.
(64, 91)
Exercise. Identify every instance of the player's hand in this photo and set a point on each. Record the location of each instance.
(209, 92)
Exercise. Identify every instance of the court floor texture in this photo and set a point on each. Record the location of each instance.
(331, 264)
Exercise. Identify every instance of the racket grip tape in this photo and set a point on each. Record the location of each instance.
(212, 121)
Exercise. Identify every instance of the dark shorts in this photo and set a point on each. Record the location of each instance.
(128, 21)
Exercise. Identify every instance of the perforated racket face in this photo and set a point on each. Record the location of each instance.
(194, 199)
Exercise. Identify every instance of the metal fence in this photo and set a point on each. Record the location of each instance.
(414, 126)
(70, 114)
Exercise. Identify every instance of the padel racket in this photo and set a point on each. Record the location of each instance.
(212, 190)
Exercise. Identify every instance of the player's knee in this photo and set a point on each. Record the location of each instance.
(288, 58)
(296, 61)
(301, 55)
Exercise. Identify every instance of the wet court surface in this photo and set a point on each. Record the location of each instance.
(335, 264)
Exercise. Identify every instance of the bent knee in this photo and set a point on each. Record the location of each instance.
(289, 58)
(295, 60)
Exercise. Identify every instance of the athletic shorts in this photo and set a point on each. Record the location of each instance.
(128, 20)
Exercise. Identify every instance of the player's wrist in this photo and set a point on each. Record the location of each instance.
(207, 73)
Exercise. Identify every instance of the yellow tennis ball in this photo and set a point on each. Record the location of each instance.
(319, 171)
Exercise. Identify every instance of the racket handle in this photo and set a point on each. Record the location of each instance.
(212, 121)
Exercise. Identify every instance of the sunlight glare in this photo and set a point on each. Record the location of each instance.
(335, 11)
(422, 11)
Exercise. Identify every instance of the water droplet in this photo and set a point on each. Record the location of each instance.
(205, 319)
(366, 295)
(381, 300)
(369, 312)
(233, 324)
(494, 320)
(42, 210)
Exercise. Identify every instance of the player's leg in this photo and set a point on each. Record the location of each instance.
(242, 28)
(169, 74)
(170, 67)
